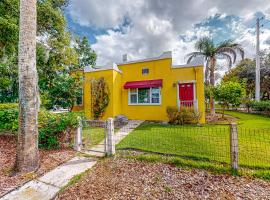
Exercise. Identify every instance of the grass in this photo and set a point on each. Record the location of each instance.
(253, 121)
(92, 136)
(208, 146)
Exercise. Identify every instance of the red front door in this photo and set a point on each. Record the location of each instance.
(186, 94)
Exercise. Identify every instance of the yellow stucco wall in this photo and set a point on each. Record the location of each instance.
(158, 69)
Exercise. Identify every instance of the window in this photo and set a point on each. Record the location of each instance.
(145, 96)
(133, 96)
(145, 71)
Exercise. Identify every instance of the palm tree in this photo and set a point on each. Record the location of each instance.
(27, 159)
(227, 50)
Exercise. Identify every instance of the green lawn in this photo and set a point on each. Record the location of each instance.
(253, 121)
(208, 143)
(92, 136)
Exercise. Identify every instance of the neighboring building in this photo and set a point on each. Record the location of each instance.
(143, 89)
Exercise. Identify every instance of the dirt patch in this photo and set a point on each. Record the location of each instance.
(119, 178)
(49, 160)
(218, 119)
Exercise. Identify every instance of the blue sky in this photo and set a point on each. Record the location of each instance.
(146, 28)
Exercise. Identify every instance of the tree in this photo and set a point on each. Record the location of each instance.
(229, 93)
(86, 56)
(27, 146)
(245, 72)
(53, 52)
(99, 97)
(211, 52)
(64, 92)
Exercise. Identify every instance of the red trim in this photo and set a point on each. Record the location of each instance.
(143, 84)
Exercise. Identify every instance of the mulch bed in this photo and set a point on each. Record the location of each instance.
(119, 178)
(49, 160)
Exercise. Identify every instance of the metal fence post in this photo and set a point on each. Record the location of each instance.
(78, 136)
(110, 142)
(234, 146)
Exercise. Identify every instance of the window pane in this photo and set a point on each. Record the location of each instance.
(155, 100)
(144, 95)
(155, 90)
(155, 95)
(133, 98)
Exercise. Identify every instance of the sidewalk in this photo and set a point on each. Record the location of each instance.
(99, 149)
(47, 186)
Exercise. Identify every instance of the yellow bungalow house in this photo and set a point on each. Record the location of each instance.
(143, 89)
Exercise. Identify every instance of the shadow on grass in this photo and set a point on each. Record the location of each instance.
(190, 162)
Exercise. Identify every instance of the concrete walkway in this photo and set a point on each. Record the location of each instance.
(99, 149)
(47, 186)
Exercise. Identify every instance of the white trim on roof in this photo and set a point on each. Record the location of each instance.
(165, 55)
(198, 62)
(112, 67)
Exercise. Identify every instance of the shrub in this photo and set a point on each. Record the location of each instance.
(51, 125)
(262, 106)
(8, 105)
(186, 115)
(9, 119)
(99, 97)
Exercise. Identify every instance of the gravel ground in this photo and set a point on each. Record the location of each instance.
(119, 178)
(49, 160)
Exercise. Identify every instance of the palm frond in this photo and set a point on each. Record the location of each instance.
(228, 57)
(192, 55)
(228, 50)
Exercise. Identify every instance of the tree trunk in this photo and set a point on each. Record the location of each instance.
(212, 83)
(206, 74)
(27, 159)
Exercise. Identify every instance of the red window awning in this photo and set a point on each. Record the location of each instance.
(143, 84)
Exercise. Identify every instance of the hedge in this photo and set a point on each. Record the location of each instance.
(50, 125)
(261, 106)
(8, 105)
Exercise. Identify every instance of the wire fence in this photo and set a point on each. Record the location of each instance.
(208, 143)
(220, 144)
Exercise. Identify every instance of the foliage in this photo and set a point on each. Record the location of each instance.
(210, 51)
(51, 125)
(99, 97)
(229, 93)
(8, 105)
(262, 106)
(86, 56)
(57, 53)
(186, 115)
(245, 72)
(9, 119)
(64, 92)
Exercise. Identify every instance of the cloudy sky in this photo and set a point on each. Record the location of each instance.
(146, 28)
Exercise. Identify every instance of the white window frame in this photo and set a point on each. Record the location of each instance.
(145, 104)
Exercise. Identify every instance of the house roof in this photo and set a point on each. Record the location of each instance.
(165, 55)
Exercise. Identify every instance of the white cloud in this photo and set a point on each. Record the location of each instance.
(156, 25)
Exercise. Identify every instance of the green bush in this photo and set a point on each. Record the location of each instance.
(50, 125)
(8, 105)
(9, 119)
(186, 115)
(262, 106)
